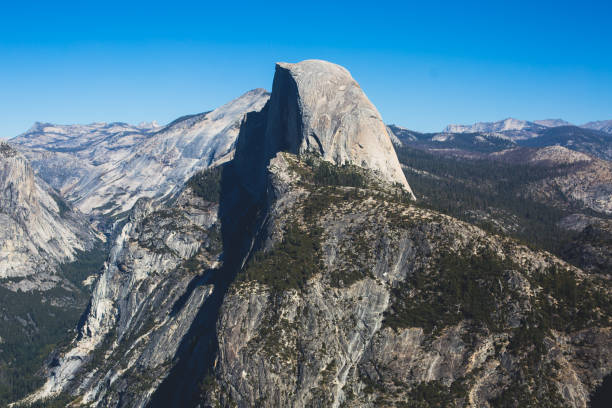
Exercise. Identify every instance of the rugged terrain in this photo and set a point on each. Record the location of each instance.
(52, 253)
(103, 169)
(303, 273)
(146, 300)
(47, 251)
(525, 192)
(362, 299)
(38, 230)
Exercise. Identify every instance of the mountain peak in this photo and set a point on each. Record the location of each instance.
(504, 125)
(552, 122)
(601, 125)
(316, 106)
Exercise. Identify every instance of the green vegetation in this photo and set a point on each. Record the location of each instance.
(32, 324)
(61, 204)
(529, 336)
(328, 174)
(581, 249)
(458, 287)
(291, 263)
(60, 401)
(357, 253)
(540, 393)
(434, 394)
(461, 188)
(566, 304)
(207, 184)
(296, 258)
(317, 172)
(87, 263)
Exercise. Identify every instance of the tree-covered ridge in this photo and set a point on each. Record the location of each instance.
(297, 257)
(207, 183)
(476, 286)
(456, 287)
(35, 323)
(289, 264)
(492, 194)
(451, 286)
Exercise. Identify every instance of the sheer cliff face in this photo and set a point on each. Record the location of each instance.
(38, 230)
(147, 299)
(317, 107)
(359, 299)
(318, 283)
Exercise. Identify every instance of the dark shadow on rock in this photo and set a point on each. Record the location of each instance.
(193, 284)
(602, 396)
(240, 213)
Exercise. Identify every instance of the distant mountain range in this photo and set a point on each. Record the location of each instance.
(521, 129)
(602, 125)
(594, 138)
(104, 168)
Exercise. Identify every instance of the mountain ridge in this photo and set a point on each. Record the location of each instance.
(40, 231)
(284, 277)
(122, 164)
(523, 129)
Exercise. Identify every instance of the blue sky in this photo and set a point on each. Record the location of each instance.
(423, 65)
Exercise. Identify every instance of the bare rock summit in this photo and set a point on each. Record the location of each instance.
(317, 106)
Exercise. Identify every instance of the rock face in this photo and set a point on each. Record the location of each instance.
(288, 277)
(146, 300)
(558, 155)
(103, 169)
(362, 327)
(317, 107)
(38, 230)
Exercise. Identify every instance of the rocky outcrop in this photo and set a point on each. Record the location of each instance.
(103, 169)
(38, 230)
(342, 301)
(550, 155)
(362, 328)
(155, 282)
(317, 107)
(588, 184)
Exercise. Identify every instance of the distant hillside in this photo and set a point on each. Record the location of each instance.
(588, 141)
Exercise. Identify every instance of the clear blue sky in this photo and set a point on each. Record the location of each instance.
(423, 65)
